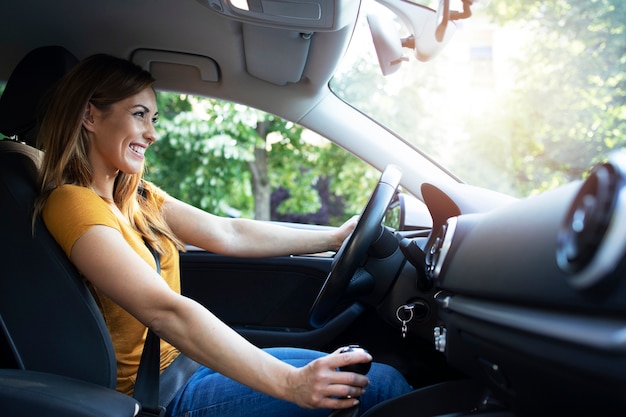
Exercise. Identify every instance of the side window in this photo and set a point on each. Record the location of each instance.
(236, 161)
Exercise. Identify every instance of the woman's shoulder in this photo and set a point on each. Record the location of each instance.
(71, 210)
(72, 191)
(74, 199)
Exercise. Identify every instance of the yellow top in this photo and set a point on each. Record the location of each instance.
(69, 212)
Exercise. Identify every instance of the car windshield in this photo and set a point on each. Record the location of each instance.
(525, 97)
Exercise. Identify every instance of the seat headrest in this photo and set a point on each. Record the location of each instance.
(29, 82)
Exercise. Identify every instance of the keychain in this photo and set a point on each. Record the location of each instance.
(407, 313)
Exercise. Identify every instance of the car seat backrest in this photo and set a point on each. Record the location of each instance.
(51, 321)
(28, 84)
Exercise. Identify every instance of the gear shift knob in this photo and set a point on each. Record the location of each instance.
(359, 368)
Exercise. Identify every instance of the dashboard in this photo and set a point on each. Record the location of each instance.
(531, 293)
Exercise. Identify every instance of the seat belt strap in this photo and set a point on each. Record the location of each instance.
(153, 391)
(147, 383)
(175, 377)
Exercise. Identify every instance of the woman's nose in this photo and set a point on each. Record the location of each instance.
(151, 133)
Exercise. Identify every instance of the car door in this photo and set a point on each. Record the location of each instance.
(268, 299)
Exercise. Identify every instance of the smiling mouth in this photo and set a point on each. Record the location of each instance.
(138, 149)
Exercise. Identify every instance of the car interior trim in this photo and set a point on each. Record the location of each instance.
(592, 332)
(310, 15)
(445, 246)
(260, 62)
(207, 67)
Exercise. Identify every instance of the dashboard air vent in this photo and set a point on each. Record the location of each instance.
(591, 239)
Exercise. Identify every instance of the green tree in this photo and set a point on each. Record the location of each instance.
(230, 159)
(198, 158)
(396, 103)
(568, 109)
(564, 112)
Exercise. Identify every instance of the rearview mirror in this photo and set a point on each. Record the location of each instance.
(429, 31)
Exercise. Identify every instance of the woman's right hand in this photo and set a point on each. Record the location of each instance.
(319, 384)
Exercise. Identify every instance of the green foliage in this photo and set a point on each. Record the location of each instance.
(546, 103)
(208, 150)
(569, 106)
(195, 161)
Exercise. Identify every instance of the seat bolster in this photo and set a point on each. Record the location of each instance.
(27, 393)
(13, 150)
(53, 321)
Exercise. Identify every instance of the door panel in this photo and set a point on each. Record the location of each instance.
(267, 300)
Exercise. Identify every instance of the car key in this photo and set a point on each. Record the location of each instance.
(404, 314)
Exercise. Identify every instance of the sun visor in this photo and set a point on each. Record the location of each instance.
(300, 15)
(282, 63)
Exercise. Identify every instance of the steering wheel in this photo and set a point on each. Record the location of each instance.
(354, 249)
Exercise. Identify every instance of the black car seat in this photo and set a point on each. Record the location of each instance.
(30, 81)
(50, 325)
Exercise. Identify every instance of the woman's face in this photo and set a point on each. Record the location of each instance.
(120, 136)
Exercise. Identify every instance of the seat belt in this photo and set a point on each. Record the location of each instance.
(174, 377)
(147, 384)
(152, 390)
(148, 375)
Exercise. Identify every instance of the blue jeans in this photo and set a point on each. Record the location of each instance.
(208, 393)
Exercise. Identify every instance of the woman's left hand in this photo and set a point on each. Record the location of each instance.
(344, 231)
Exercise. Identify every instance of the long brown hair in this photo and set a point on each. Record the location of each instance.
(101, 80)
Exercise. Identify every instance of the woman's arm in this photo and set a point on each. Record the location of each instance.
(104, 258)
(243, 237)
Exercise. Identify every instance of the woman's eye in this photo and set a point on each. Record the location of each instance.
(143, 114)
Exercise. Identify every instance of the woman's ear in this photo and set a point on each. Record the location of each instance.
(88, 119)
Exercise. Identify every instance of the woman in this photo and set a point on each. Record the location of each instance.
(98, 126)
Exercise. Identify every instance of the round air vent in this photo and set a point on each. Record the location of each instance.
(591, 240)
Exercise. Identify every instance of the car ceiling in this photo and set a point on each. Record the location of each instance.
(274, 56)
(286, 81)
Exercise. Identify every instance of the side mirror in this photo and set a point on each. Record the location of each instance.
(407, 213)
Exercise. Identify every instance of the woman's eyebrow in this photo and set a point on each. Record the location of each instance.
(145, 108)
